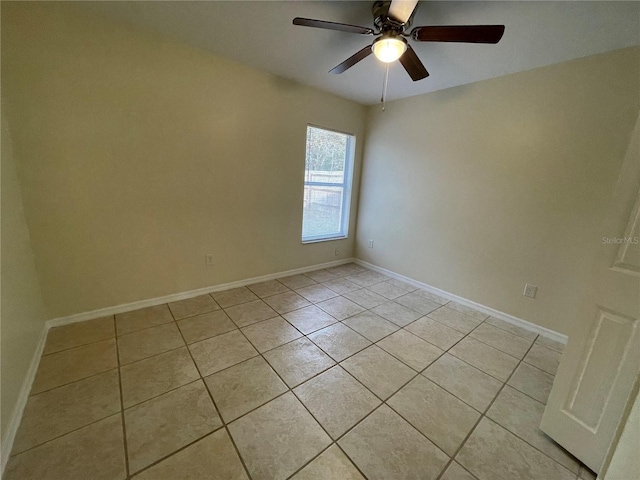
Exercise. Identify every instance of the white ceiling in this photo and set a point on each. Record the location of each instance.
(260, 34)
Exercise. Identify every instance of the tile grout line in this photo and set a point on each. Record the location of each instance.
(75, 346)
(303, 334)
(332, 441)
(122, 418)
(503, 382)
(515, 434)
(125, 334)
(156, 396)
(349, 458)
(163, 393)
(368, 309)
(353, 427)
(481, 371)
(493, 346)
(71, 383)
(527, 442)
(257, 407)
(154, 355)
(462, 360)
(397, 358)
(169, 455)
(308, 462)
(224, 424)
(76, 381)
(451, 458)
(93, 422)
(259, 354)
(470, 365)
(336, 440)
(482, 415)
(66, 433)
(516, 334)
(289, 390)
(82, 344)
(384, 402)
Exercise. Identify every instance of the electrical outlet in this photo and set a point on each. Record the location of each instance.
(337, 252)
(530, 291)
(370, 243)
(208, 259)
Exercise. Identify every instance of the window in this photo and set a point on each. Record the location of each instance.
(327, 184)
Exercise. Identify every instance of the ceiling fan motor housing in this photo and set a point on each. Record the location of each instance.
(388, 35)
(382, 20)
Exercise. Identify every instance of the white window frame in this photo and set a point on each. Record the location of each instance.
(345, 185)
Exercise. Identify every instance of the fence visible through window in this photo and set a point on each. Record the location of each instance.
(327, 184)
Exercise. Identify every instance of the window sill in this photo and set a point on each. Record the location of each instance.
(324, 239)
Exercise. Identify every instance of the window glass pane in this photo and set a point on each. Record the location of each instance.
(326, 153)
(327, 184)
(322, 211)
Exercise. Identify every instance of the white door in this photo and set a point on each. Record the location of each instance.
(601, 362)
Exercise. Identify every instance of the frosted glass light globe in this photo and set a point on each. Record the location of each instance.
(389, 49)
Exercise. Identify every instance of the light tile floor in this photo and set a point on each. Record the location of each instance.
(339, 374)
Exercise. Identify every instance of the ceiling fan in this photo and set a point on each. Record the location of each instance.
(391, 20)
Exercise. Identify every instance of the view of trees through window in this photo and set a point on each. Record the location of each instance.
(325, 151)
(327, 161)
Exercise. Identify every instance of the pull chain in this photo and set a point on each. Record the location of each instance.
(383, 99)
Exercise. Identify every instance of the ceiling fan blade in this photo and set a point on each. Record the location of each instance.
(352, 60)
(401, 10)
(340, 27)
(459, 33)
(413, 65)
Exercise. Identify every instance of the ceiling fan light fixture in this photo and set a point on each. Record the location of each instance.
(388, 49)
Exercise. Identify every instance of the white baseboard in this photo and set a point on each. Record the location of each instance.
(127, 307)
(532, 327)
(21, 403)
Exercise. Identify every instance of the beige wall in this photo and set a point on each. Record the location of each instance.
(139, 155)
(481, 188)
(22, 313)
